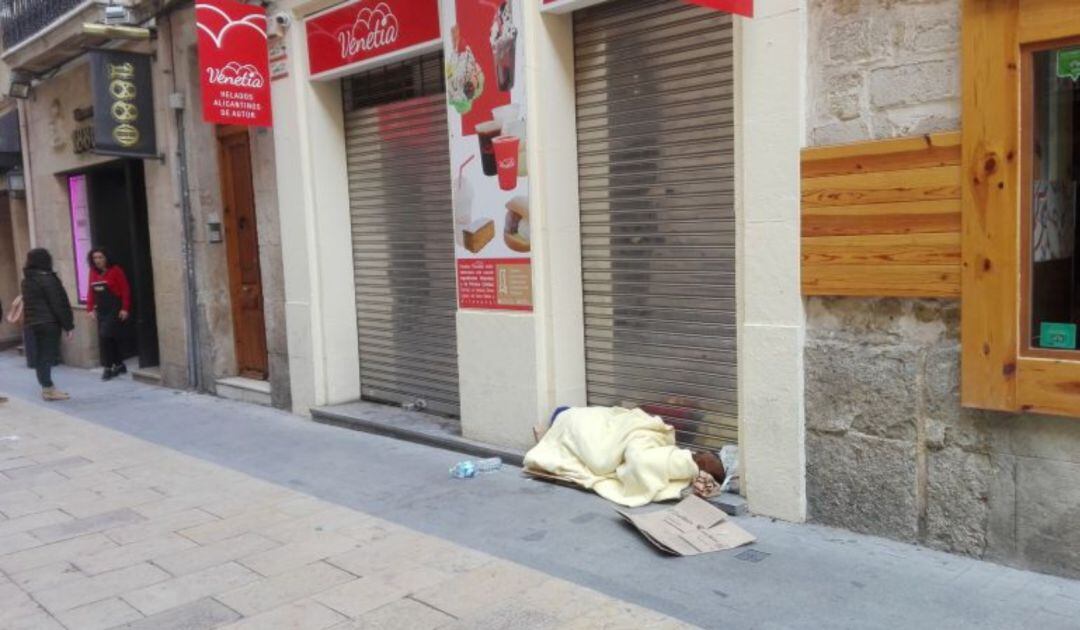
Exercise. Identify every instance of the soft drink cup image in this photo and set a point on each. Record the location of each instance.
(486, 132)
(506, 157)
(517, 128)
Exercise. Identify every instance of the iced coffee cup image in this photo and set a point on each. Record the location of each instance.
(504, 46)
(506, 114)
(486, 132)
(518, 233)
(506, 159)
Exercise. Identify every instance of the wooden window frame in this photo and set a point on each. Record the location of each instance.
(999, 369)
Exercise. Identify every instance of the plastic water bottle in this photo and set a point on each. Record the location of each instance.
(489, 465)
(463, 470)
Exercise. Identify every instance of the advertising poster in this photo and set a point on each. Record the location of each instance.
(80, 233)
(486, 99)
(234, 63)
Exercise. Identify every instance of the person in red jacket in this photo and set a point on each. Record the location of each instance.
(109, 302)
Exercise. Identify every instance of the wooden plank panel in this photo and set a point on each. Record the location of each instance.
(884, 249)
(920, 184)
(990, 177)
(882, 280)
(1049, 386)
(1047, 20)
(940, 149)
(916, 217)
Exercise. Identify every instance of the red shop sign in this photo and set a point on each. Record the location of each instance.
(234, 63)
(741, 7)
(369, 32)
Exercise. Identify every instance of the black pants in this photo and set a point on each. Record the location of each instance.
(47, 342)
(110, 351)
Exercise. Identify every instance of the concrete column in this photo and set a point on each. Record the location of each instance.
(771, 70)
(313, 193)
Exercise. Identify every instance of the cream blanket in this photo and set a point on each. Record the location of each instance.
(628, 457)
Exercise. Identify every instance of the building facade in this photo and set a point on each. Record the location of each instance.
(208, 309)
(922, 421)
(515, 207)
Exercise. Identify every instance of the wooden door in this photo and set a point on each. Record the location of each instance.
(242, 244)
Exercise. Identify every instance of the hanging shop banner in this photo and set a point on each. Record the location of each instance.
(123, 104)
(368, 33)
(486, 98)
(740, 7)
(234, 63)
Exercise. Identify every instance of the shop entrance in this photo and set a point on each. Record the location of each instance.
(242, 245)
(119, 222)
(403, 235)
(655, 119)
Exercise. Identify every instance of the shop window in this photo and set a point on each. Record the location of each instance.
(1021, 199)
(1051, 164)
(392, 83)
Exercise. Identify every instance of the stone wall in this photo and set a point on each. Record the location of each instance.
(882, 68)
(890, 451)
(10, 273)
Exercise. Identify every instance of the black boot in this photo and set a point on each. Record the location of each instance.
(119, 369)
(108, 374)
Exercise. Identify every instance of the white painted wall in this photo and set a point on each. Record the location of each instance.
(771, 78)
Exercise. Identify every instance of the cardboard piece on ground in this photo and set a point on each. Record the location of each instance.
(691, 527)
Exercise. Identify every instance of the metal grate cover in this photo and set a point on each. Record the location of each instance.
(403, 237)
(655, 115)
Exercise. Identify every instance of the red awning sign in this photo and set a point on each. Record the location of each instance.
(741, 7)
(365, 33)
(234, 63)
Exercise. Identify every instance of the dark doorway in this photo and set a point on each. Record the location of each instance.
(242, 245)
(119, 222)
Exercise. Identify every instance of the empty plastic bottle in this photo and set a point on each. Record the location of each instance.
(489, 465)
(463, 470)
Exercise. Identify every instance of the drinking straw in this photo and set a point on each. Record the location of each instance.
(461, 170)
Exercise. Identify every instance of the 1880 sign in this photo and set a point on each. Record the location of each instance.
(123, 104)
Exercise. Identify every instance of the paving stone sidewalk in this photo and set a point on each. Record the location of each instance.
(102, 530)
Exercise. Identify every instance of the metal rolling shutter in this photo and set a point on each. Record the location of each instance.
(656, 160)
(403, 234)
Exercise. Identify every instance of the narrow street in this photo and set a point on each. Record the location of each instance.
(142, 505)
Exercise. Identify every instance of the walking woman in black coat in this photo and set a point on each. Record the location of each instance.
(47, 312)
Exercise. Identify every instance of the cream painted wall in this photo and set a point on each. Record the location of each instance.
(316, 242)
(770, 84)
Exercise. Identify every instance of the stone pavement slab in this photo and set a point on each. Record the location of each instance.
(101, 530)
(800, 576)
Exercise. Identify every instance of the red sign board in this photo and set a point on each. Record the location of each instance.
(742, 7)
(495, 284)
(368, 31)
(234, 63)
